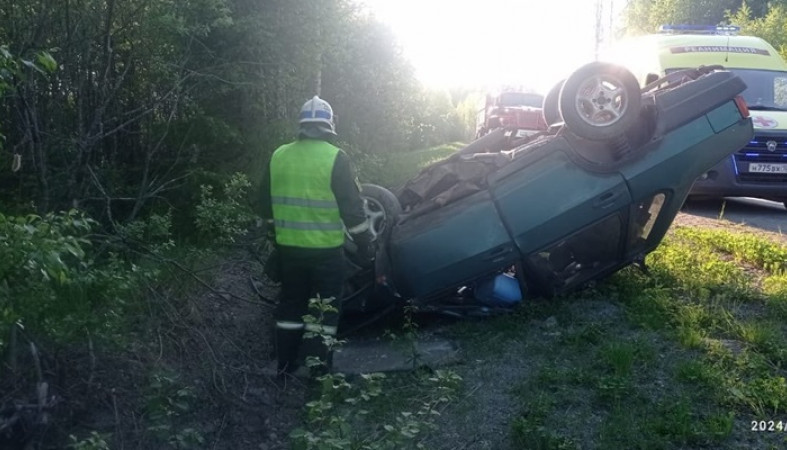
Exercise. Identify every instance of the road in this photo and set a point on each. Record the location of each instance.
(763, 214)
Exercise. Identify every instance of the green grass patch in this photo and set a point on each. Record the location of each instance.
(392, 170)
(533, 429)
(700, 295)
(761, 252)
(672, 422)
(682, 357)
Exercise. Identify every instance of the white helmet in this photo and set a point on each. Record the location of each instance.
(316, 114)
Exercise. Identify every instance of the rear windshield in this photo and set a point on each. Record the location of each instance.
(520, 99)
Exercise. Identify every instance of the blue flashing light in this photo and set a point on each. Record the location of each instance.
(700, 29)
(735, 166)
(752, 154)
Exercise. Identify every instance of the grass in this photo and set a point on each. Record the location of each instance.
(392, 171)
(686, 357)
(689, 356)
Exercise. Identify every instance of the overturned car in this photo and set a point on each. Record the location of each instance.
(510, 216)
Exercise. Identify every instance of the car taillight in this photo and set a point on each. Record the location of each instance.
(742, 107)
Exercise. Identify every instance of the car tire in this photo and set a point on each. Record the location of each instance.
(551, 106)
(382, 208)
(600, 101)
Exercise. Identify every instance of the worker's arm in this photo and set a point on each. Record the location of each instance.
(348, 197)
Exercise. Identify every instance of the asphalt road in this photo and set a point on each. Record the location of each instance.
(763, 214)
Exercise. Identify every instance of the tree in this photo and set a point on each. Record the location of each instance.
(371, 86)
(645, 16)
(150, 99)
(772, 27)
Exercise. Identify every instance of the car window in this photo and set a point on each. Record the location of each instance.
(581, 255)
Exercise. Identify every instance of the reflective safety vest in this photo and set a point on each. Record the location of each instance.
(305, 212)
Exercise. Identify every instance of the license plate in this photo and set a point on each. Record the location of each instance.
(767, 168)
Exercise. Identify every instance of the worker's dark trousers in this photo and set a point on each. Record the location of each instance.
(306, 274)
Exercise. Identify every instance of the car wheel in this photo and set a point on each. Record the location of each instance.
(600, 101)
(381, 207)
(551, 106)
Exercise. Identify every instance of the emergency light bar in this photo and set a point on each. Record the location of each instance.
(700, 29)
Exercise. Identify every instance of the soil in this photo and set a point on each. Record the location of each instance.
(214, 352)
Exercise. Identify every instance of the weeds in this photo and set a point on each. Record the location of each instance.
(165, 402)
(358, 415)
(532, 429)
(96, 441)
(223, 220)
(722, 329)
(392, 171)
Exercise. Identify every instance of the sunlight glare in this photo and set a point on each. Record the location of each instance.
(492, 43)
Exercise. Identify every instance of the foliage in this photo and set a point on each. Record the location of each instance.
(51, 286)
(395, 169)
(155, 232)
(145, 93)
(771, 26)
(223, 220)
(166, 401)
(96, 441)
(347, 415)
(645, 16)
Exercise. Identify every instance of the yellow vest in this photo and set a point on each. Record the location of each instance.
(305, 211)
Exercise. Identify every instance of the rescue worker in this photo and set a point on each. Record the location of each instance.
(314, 198)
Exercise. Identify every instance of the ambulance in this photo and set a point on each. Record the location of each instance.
(760, 168)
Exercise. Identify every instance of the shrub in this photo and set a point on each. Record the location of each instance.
(50, 285)
(223, 220)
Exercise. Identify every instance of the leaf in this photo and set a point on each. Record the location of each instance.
(47, 61)
(737, 393)
(33, 66)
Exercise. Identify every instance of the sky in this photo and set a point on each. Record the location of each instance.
(488, 43)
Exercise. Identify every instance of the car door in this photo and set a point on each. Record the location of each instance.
(568, 223)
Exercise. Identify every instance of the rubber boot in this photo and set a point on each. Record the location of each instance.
(287, 344)
(315, 347)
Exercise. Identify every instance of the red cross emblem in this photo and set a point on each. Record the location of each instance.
(764, 122)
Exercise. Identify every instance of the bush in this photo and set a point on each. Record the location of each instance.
(223, 220)
(50, 285)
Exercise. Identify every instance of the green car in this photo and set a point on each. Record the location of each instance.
(509, 217)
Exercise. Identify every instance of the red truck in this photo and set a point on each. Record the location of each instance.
(510, 109)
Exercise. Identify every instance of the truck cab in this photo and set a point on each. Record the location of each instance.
(510, 109)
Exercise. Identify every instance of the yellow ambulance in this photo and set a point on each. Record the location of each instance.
(760, 168)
